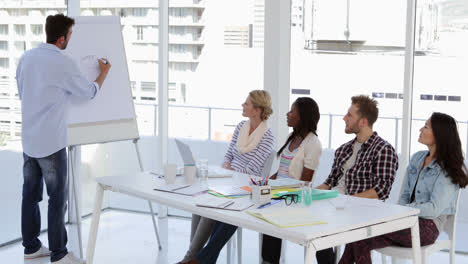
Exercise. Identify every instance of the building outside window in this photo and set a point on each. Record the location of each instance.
(20, 30)
(3, 29)
(139, 30)
(3, 45)
(37, 30)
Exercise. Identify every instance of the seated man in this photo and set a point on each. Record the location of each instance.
(365, 166)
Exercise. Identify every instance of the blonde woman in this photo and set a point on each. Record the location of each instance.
(251, 144)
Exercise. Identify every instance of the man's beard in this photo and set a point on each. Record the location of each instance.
(65, 44)
(353, 130)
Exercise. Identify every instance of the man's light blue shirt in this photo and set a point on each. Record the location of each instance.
(47, 79)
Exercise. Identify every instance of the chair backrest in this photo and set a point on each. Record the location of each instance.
(450, 226)
(268, 163)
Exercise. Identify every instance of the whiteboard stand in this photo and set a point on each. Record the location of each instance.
(74, 215)
(110, 116)
(74, 176)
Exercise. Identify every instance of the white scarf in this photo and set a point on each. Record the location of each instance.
(246, 142)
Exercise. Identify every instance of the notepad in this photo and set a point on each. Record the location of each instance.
(288, 217)
(220, 203)
(284, 183)
(191, 190)
(171, 187)
(184, 189)
(227, 190)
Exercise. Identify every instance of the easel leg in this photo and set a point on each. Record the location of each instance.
(76, 201)
(135, 142)
(93, 230)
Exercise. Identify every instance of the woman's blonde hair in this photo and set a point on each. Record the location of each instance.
(262, 99)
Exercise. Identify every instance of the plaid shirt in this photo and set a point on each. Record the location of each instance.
(375, 167)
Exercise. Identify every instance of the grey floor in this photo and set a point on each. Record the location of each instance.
(128, 238)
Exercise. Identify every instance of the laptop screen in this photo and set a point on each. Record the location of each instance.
(185, 152)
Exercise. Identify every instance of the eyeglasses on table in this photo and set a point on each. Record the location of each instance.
(288, 198)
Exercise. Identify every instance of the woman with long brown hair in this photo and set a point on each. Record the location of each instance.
(432, 182)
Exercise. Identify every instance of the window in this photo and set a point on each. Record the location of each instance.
(347, 48)
(148, 86)
(3, 29)
(4, 63)
(20, 45)
(3, 45)
(197, 49)
(139, 30)
(426, 97)
(440, 97)
(36, 30)
(20, 30)
(454, 98)
(438, 71)
(140, 12)
(391, 95)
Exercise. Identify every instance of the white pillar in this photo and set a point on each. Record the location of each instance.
(277, 63)
(73, 8)
(408, 87)
(163, 75)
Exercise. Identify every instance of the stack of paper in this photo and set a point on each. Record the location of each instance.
(284, 183)
(287, 217)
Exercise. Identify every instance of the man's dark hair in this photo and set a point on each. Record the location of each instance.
(367, 108)
(57, 26)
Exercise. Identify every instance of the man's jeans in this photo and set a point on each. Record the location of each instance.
(53, 171)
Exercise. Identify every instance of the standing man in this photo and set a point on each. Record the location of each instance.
(365, 166)
(47, 79)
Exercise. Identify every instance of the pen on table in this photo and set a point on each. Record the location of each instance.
(157, 174)
(268, 204)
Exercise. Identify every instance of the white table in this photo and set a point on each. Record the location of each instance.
(360, 219)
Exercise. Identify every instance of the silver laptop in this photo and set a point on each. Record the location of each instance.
(188, 158)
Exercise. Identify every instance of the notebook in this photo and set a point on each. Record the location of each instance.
(287, 217)
(170, 187)
(220, 203)
(184, 189)
(229, 190)
(284, 183)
